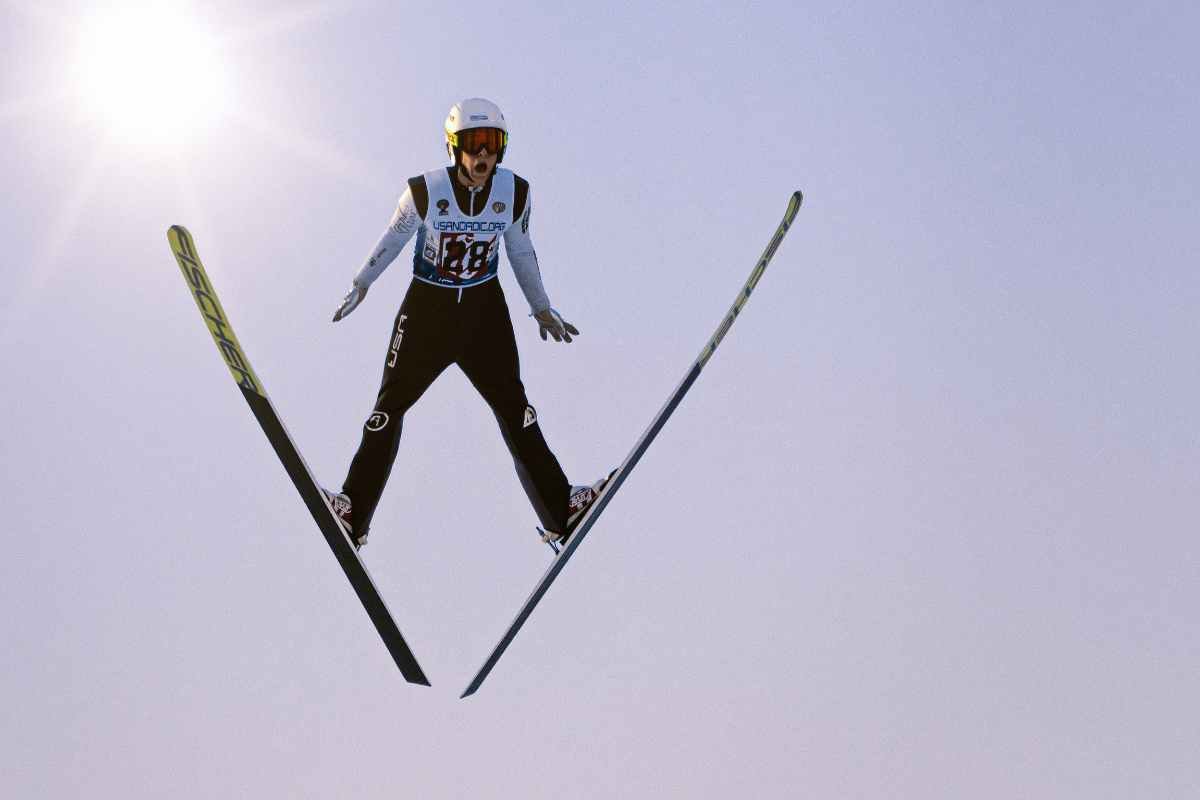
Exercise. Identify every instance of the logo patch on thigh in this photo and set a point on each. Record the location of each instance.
(394, 350)
(530, 416)
(377, 421)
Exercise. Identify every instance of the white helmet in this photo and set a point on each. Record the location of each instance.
(473, 113)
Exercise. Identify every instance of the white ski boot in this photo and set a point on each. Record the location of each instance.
(340, 504)
(579, 501)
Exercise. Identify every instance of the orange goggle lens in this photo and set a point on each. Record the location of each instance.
(473, 140)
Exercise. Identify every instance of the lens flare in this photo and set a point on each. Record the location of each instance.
(150, 73)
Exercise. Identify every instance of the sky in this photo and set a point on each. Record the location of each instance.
(924, 528)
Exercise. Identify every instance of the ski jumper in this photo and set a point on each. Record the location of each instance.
(454, 312)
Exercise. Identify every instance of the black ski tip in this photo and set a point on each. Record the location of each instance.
(798, 196)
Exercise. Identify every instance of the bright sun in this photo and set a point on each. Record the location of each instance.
(150, 73)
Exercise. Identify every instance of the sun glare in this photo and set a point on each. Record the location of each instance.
(151, 74)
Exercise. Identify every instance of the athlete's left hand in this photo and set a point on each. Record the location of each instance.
(551, 322)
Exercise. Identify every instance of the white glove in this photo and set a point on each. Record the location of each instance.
(350, 301)
(550, 321)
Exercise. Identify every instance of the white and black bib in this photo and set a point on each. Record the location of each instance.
(453, 248)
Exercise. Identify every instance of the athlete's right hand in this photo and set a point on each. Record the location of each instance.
(350, 301)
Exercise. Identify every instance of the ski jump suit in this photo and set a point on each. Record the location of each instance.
(454, 313)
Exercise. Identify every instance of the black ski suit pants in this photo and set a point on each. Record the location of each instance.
(438, 326)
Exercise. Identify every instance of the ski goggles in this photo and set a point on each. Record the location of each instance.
(472, 140)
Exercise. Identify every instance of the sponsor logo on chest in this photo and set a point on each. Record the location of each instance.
(469, 226)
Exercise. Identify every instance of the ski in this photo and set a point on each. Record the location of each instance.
(184, 248)
(606, 494)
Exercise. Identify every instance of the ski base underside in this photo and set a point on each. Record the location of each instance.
(184, 249)
(639, 449)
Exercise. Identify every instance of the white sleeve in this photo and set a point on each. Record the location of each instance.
(521, 255)
(404, 224)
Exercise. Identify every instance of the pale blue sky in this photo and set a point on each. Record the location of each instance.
(924, 528)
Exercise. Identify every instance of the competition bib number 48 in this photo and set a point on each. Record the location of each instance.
(463, 256)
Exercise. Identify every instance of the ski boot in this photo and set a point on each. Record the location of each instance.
(579, 501)
(340, 504)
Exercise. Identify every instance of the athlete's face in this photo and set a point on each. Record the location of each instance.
(476, 167)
